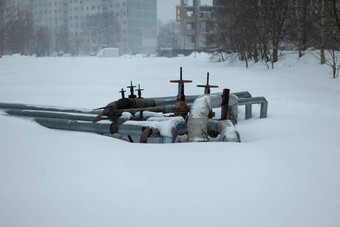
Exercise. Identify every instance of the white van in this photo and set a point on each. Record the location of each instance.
(108, 52)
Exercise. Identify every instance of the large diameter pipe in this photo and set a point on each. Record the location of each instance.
(45, 108)
(171, 100)
(135, 130)
(72, 125)
(198, 120)
(226, 129)
(255, 100)
(56, 115)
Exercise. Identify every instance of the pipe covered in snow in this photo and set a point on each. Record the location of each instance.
(198, 119)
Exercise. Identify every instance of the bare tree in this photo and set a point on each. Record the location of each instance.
(168, 35)
(7, 16)
(101, 30)
(322, 32)
(62, 40)
(42, 41)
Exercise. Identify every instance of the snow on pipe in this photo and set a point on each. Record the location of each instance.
(166, 128)
(28, 113)
(198, 119)
(199, 124)
(44, 108)
(226, 129)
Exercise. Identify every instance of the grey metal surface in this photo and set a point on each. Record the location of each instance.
(135, 130)
(171, 100)
(59, 115)
(45, 108)
(226, 129)
(255, 100)
(73, 125)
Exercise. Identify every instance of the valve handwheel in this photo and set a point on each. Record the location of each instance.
(181, 96)
(207, 86)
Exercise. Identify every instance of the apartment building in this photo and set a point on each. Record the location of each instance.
(137, 20)
(195, 25)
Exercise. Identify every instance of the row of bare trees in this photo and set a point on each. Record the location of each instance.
(19, 34)
(258, 30)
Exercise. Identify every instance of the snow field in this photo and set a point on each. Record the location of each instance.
(284, 173)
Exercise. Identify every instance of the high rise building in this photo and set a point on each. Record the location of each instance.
(142, 26)
(137, 21)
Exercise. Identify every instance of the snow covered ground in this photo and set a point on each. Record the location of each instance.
(286, 171)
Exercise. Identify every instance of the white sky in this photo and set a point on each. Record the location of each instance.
(167, 8)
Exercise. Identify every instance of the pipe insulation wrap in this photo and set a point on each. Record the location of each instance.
(226, 129)
(198, 119)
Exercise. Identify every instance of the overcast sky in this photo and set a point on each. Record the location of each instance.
(166, 9)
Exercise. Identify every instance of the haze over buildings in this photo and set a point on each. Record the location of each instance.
(137, 20)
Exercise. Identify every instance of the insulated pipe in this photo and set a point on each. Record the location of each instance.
(171, 100)
(245, 94)
(72, 125)
(226, 129)
(59, 115)
(198, 120)
(177, 129)
(242, 94)
(167, 129)
(45, 108)
(135, 130)
(255, 100)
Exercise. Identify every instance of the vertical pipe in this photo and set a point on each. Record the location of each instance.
(264, 109)
(224, 105)
(248, 111)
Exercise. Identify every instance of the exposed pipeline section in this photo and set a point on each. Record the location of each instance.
(226, 129)
(255, 100)
(58, 115)
(45, 108)
(169, 119)
(74, 125)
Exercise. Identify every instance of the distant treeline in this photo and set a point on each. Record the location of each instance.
(257, 30)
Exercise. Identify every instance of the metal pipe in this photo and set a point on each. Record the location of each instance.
(198, 120)
(28, 113)
(226, 129)
(245, 94)
(224, 104)
(242, 94)
(135, 130)
(45, 108)
(255, 100)
(171, 100)
(73, 125)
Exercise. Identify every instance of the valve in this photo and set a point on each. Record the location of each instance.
(207, 86)
(132, 95)
(139, 90)
(181, 82)
(123, 93)
(181, 108)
